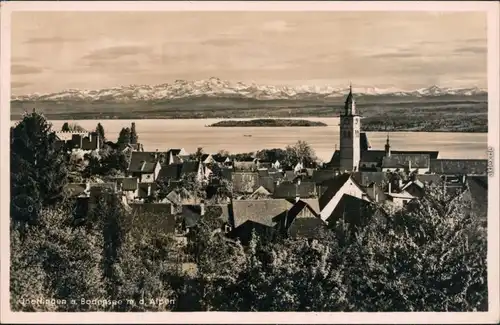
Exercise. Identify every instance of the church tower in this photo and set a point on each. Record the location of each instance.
(350, 130)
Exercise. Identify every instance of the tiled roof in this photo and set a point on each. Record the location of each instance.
(263, 172)
(303, 223)
(189, 167)
(174, 152)
(170, 172)
(244, 165)
(75, 189)
(333, 187)
(191, 215)
(154, 216)
(353, 210)
(268, 183)
(364, 143)
(100, 187)
(143, 161)
(403, 160)
(218, 158)
(265, 164)
(430, 178)
(372, 156)
(376, 156)
(245, 182)
(260, 211)
(143, 189)
(459, 166)
(375, 192)
(365, 178)
(321, 175)
(129, 184)
(287, 190)
(313, 204)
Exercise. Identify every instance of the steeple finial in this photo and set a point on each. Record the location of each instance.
(350, 86)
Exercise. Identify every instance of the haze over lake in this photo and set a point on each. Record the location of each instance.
(163, 134)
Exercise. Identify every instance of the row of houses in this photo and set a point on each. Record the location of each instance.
(293, 203)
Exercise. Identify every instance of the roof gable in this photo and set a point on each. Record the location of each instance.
(333, 186)
(259, 211)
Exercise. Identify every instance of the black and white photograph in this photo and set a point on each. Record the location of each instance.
(232, 160)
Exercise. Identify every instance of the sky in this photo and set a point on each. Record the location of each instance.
(53, 51)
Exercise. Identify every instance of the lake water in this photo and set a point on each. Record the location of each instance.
(192, 133)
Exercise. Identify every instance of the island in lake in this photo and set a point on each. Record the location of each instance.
(266, 123)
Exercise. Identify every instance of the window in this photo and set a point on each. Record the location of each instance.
(405, 202)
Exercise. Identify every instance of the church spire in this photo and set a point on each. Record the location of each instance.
(350, 104)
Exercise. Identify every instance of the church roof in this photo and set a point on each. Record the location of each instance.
(459, 166)
(403, 160)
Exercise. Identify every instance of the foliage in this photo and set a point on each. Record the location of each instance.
(37, 166)
(272, 155)
(124, 138)
(65, 127)
(300, 152)
(267, 123)
(100, 132)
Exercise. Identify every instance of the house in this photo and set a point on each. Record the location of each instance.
(77, 190)
(473, 167)
(354, 212)
(156, 217)
(175, 156)
(221, 160)
(375, 193)
(146, 190)
(290, 190)
(247, 166)
(368, 178)
(336, 188)
(145, 166)
(260, 192)
(129, 186)
(477, 194)
(411, 163)
(276, 164)
(193, 213)
(415, 188)
(400, 199)
(268, 183)
(87, 141)
(302, 221)
(245, 182)
(260, 216)
(179, 197)
(206, 159)
(193, 168)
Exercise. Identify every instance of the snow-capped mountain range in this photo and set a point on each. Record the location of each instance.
(215, 87)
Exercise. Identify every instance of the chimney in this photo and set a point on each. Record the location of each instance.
(409, 165)
(374, 192)
(202, 208)
(463, 179)
(389, 191)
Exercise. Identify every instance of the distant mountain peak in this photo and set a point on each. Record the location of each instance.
(216, 87)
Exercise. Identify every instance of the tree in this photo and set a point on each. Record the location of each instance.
(197, 155)
(133, 134)
(37, 166)
(56, 260)
(272, 155)
(300, 152)
(124, 138)
(65, 127)
(100, 132)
